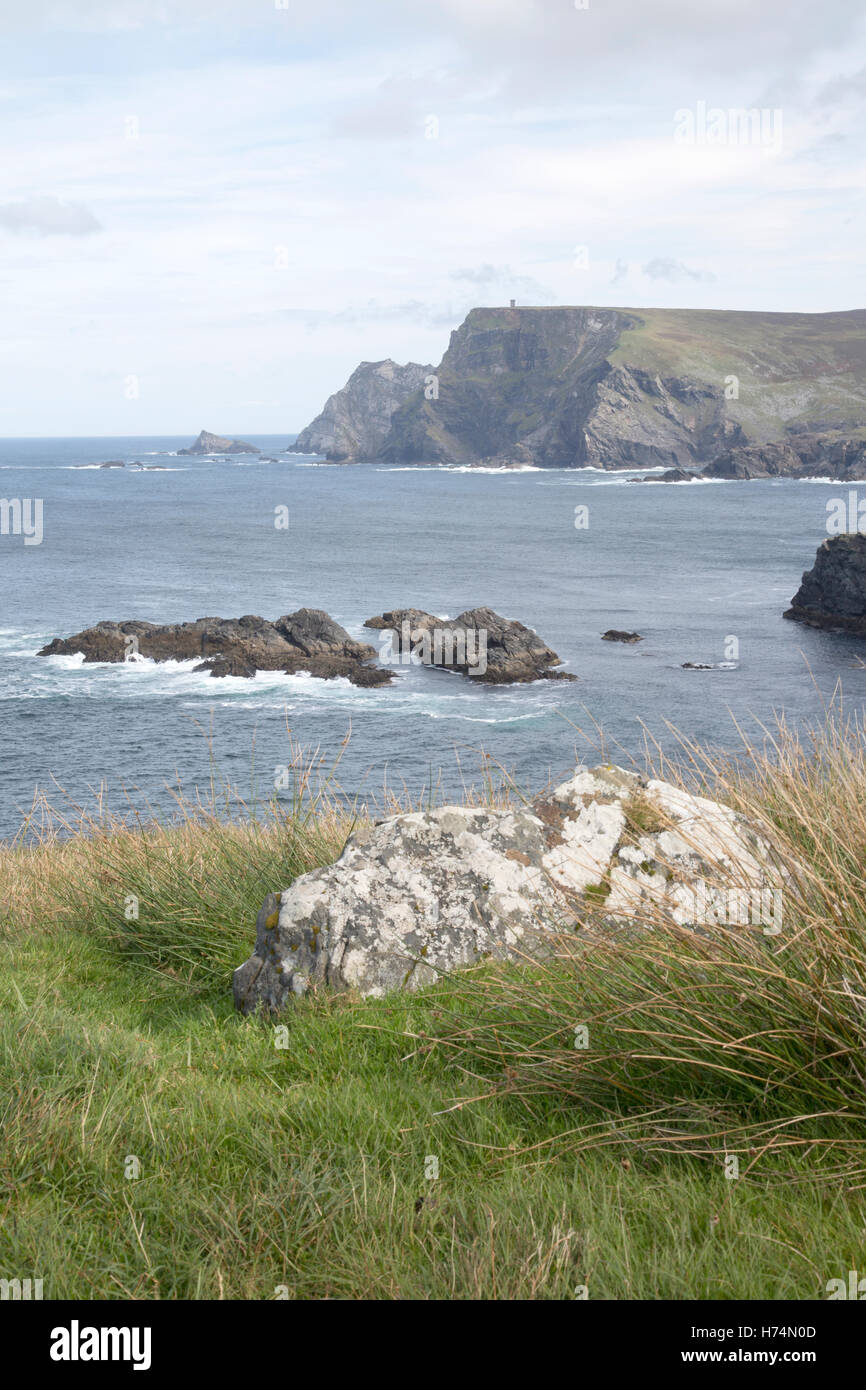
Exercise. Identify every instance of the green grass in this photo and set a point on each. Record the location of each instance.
(303, 1168)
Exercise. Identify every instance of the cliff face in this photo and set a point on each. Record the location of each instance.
(618, 388)
(539, 386)
(817, 455)
(355, 420)
(833, 591)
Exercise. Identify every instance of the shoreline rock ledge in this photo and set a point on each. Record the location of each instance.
(306, 641)
(418, 895)
(833, 592)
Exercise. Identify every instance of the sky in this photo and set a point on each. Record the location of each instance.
(212, 210)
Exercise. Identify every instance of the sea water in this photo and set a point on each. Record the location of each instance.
(703, 571)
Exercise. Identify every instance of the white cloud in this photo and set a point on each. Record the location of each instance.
(48, 217)
(254, 249)
(672, 271)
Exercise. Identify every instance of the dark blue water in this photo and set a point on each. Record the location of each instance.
(687, 566)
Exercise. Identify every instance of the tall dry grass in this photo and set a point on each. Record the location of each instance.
(179, 893)
(718, 1040)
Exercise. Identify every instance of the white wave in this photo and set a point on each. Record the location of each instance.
(835, 482)
(629, 472)
(703, 482)
(712, 666)
(128, 468)
(459, 468)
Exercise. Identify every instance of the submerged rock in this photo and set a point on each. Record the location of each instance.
(419, 895)
(710, 666)
(478, 643)
(673, 475)
(833, 592)
(308, 640)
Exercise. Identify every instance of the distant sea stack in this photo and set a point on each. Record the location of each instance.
(833, 592)
(215, 444)
(355, 421)
(743, 395)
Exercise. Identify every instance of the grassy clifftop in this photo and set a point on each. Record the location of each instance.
(571, 386)
(793, 369)
(453, 1144)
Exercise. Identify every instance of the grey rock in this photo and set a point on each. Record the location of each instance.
(308, 640)
(500, 650)
(355, 420)
(614, 634)
(416, 896)
(216, 444)
(755, 461)
(710, 666)
(833, 592)
(673, 475)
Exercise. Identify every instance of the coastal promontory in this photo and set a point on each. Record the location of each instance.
(356, 420)
(742, 395)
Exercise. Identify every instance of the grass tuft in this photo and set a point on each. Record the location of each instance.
(454, 1144)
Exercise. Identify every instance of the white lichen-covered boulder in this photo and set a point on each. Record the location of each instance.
(417, 895)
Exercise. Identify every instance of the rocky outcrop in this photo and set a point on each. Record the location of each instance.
(829, 456)
(355, 420)
(833, 592)
(673, 475)
(625, 388)
(614, 634)
(756, 461)
(806, 456)
(215, 444)
(417, 896)
(478, 643)
(308, 640)
(709, 666)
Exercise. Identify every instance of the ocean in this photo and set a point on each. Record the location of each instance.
(690, 567)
